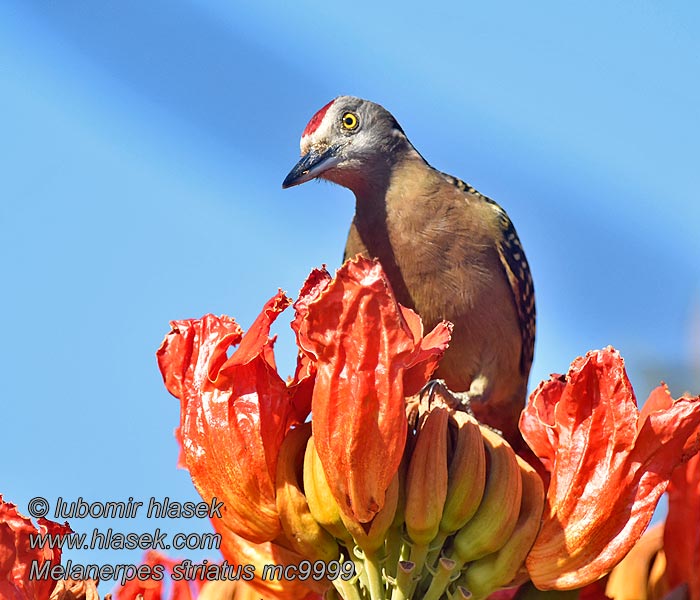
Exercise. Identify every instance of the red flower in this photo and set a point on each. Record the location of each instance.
(234, 414)
(17, 555)
(609, 465)
(366, 349)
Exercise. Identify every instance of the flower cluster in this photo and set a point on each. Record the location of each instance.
(421, 499)
(389, 485)
(242, 432)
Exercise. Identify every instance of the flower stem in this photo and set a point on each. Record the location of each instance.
(348, 591)
(373, 567)
(443, 576)
(404, 580)
(419, 552)
(393, 545)
(358, 557)
(436, 547)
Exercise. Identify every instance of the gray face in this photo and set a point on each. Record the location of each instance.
(344, 139)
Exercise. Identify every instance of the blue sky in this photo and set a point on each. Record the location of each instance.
(143, 150)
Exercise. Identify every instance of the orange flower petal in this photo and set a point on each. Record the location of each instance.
(315, 284)
(359, 337)
(658, 403)
(234, 413)
(302, 385)
(430, 350)
(609, 466)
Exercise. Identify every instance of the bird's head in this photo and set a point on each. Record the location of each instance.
(348, 141)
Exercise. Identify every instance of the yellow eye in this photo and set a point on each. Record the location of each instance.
(350, 121)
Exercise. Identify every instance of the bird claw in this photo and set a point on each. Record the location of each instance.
(454, 400)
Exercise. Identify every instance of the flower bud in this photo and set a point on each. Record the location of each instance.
(426, 481)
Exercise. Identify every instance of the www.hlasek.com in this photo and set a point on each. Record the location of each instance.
(109, 539)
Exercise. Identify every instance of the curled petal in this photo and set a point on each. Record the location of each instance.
(609, 465)
(301, 387)
(537, 421)
(256, 342)
(190, 346)
(315, 284)
(658, 408)
(234, 413)
(357, 334)
(430, 350)
(302, 384)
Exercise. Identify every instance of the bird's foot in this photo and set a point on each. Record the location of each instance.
(454, 400)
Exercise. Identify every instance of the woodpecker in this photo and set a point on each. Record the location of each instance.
(449, 252)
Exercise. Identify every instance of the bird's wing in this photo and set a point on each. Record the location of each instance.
(517, 270)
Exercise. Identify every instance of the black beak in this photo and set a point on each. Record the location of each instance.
(311, 166)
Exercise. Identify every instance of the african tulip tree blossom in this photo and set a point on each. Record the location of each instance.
(234, 413)
(361, 353)
(364, 346)
(609, 465)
